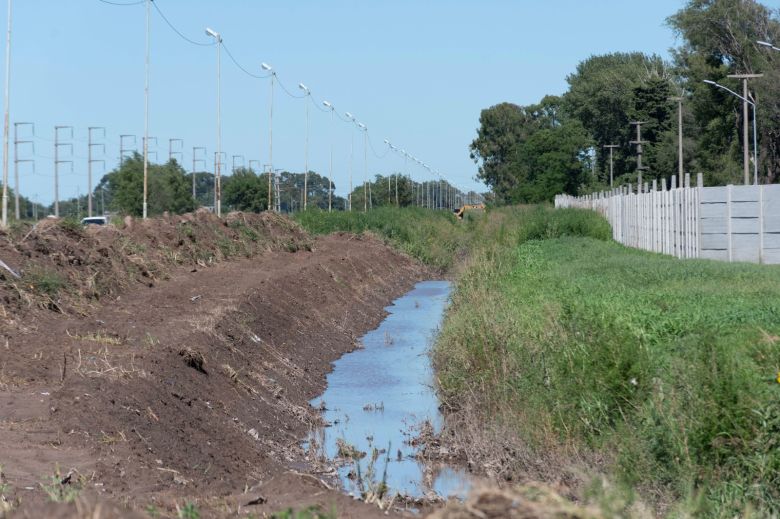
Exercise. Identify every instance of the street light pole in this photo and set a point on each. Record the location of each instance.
(746, 102)
(7, 119)
(218, 162)
(745, 138)
(330, 171)
(267, 67)
(146, 113)
(365, 166)
(306, 149)
(351, 155)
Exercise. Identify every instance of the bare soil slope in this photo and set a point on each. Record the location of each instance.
(155, 374)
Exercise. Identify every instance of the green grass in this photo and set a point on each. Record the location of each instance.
(433, 237)
(45, 281)
(668, 367)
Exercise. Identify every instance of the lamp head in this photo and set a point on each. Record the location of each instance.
(265, 66)
(211, 32)
(327, 104)
(303, 87)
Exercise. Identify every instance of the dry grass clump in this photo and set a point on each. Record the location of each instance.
(526, 502)
(193, 359)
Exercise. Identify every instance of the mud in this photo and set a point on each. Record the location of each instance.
(192, 387)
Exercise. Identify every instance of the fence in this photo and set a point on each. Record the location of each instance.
(728, 223)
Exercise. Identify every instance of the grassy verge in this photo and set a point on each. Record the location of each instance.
(668, 368)
(664, 373)
(433, 237)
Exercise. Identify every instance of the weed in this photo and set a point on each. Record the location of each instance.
(71, 225)
(188, 511)
(311, 512)
(61, 489)
(45, 281)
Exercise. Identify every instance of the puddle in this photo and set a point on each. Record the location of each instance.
(377, 395)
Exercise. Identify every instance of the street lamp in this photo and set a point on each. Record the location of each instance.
(6, 123)
(755, 135)
(365, 166)
(351, 155)
(767, 44)
(218, 165)
(307, 93)
(268, 68)
(330, 107)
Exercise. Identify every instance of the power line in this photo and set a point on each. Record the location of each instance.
(236, 63)
(371, 145)
(174, 29)
(122, 3)
(287, 91)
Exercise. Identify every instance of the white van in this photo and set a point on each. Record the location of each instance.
(94, 220)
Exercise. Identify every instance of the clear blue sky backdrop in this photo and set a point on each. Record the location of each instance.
(416, 72)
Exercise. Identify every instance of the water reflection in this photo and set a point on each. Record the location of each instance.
(377, 396)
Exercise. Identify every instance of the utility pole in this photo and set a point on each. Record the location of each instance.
(173, 151)
(270, 137)
(365, 169)
(195, 162)
(218, 156)
(306, 148)
(57, 162)
(639, 142)
(17, 142)
(123, 148)
(679, 101)
(234, 161)
(611, 173)
(90, 160)
(7, 119)
(745, 138)
(146, 146)
(278, 198)
(146, 111)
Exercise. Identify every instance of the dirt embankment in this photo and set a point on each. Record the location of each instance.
(151, 374)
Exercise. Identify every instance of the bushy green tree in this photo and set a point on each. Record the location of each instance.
(168, 188)
(244, 190)
(531, 153)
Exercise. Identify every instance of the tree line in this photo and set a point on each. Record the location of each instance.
(558, 145)
(170, 189)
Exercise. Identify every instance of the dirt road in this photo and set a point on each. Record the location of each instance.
(192, 390)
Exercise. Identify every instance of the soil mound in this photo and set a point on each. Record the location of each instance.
(159, 387)
(58, 264)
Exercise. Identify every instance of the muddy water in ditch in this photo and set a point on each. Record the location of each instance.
(378, 396)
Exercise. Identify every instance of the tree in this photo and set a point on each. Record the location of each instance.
(719, 38)
(168, 188)
(531, 153)
(607, 93)
(245, 191)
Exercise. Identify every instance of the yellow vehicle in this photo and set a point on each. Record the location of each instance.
(467, 207)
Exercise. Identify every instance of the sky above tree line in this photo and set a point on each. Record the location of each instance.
(416, 73)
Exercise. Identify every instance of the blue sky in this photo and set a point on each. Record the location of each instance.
(415, 72)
